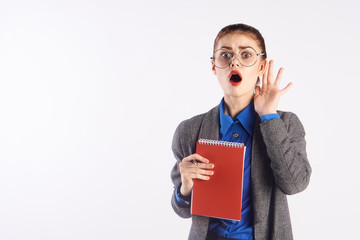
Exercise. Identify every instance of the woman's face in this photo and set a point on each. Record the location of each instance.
(232, 85)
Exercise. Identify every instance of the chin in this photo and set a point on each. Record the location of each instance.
(240, 93)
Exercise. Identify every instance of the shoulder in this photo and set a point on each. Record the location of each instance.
(288, 116)
(285, 114)
(291, 120)
(194, 123)
(187, 132)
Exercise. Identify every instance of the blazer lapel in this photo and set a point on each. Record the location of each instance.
(261, 177)
(210, 126)
(209, 129)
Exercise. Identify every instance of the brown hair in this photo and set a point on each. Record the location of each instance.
(253, 32)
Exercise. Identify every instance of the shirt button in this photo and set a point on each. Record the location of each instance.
(235, 135)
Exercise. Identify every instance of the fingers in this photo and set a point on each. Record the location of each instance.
(265, 76)
(196, 173)
(195, 164)
(200, 170)
(278, 81)
(270, 77)
(196, 157)
(279, 76)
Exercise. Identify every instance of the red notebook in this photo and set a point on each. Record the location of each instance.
(221, 196)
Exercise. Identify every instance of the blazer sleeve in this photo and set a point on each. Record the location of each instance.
(284, 139)
(179, 153)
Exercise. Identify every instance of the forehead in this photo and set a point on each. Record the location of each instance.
(236, 40)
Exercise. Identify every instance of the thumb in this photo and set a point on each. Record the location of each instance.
(257, 90)
(283, 91)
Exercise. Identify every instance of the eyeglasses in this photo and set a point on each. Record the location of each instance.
(246, 56)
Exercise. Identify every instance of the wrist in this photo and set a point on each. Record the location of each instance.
(182, 200)
(184, 191)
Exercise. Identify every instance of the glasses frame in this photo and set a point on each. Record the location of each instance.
(232, 56)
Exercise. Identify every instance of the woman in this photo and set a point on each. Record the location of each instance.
(276, 163)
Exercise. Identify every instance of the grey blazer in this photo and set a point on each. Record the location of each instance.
(279, 167)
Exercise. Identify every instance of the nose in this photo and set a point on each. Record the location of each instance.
(234, 61)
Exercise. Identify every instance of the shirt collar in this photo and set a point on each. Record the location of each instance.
(246, 118)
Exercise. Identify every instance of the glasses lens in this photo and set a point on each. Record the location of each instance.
(222, 58)
(247, 57)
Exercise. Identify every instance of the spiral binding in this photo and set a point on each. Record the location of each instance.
(220, 143)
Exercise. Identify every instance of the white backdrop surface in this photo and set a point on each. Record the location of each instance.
(92, 91)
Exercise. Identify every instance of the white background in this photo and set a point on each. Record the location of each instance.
(92, 91)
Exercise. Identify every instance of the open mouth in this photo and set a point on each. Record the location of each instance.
(235, 78)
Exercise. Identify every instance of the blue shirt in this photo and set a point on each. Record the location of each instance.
(239, 129)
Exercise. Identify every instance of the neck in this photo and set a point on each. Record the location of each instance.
(234, 105)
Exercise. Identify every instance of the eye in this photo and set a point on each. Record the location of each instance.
(226, 55)
(246, 55)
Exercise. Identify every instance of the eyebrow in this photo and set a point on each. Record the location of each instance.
(230, 48)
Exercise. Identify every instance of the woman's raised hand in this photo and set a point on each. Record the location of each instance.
(266, 99)
(194, 167)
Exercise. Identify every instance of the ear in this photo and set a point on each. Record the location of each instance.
(262, 67)
(213, 68)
